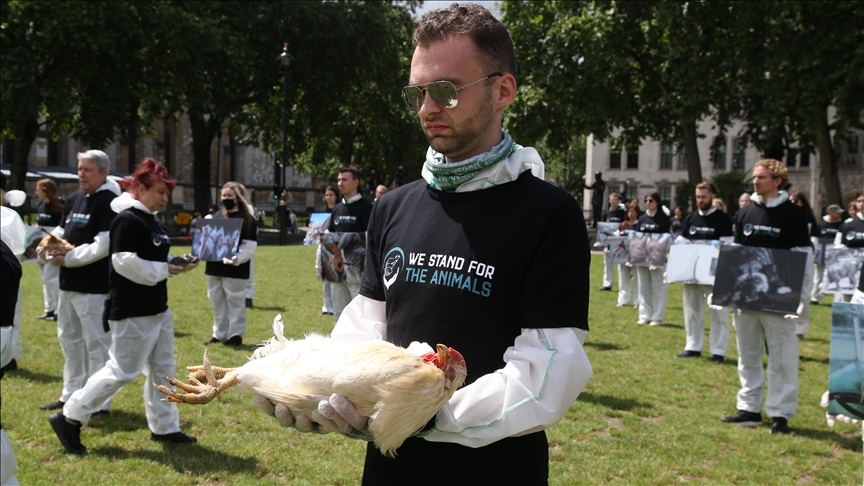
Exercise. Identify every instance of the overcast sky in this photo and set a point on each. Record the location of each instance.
(432, 5)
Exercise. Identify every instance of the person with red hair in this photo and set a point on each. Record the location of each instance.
(137, 312)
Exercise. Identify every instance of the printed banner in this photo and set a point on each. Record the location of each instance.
(842, 270)
(760, 279)
(846, 365)
(694, 263)
(215, 239)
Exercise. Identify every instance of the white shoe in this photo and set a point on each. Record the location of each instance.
(641, 321)
(655, 323)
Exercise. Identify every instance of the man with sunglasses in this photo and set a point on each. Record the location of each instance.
(442, 268)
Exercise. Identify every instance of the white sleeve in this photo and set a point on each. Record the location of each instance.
(544, 372)
(89, 252)
(138, 270)
(838, 240)
(58, 232)
(246, 251)
(361, 320)
(318, 262)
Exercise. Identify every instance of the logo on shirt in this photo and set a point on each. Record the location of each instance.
(345, 219)
(702, 230)
(760, 229)
(158, 239)
(394, 261)
(648, 227)
(854, 235)
(80, 218)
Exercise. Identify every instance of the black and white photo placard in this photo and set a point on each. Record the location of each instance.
(759, 279)
(842, 270)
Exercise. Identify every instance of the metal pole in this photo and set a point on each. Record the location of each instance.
(285, 59)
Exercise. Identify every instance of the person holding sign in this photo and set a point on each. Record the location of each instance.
(851, 234)
(652, 290)
(826, 232)
(706, 223)
(769, 221)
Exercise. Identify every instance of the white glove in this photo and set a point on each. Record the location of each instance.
(230, 261)
(797, 312)
(627, 264)
(335, 414)
(652, 267)
(831, 419)
(664, 278)
(711, 303)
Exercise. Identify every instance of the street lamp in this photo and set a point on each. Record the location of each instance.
(279, 172)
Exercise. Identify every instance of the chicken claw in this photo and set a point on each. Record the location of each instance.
(198, 393)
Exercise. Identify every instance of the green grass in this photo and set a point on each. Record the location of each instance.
(644, 418)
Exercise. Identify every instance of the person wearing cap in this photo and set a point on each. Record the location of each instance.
(826, 232)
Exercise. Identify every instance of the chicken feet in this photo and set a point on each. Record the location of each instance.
(198, 393)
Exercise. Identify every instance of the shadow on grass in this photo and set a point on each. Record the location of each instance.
(180, 334)
(279, 309)
(669, 324)
(851, 443)
(28, 375)
(615, 403)
(118, 421)
(186, 458)
(603, 346)
(815, 360)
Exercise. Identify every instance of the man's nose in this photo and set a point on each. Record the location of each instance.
(429, 105)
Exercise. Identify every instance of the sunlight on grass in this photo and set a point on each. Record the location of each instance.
(645, 417)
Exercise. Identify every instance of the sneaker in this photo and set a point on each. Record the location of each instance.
(48, 316)
(779, 426)
(68, 433)
(234, 341)
(814, 302)
(744, 418)
(175, 438)
(641, 321)
(58, 405)
(213, 340)
(655, 323)
(689, 354)
(608, 289)
(716, 358)
(248, 303)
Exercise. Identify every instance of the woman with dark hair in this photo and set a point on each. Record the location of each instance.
(677, 220)
(50, 213)
(800, 199)
(137, 312)
(331, 197)
(625, 273)
(226, 280)
(652, 290)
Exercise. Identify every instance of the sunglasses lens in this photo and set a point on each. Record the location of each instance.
(444, 93)
(413, 96)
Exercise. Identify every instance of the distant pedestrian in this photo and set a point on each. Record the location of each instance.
(652, 290)
(331, 198)
(615, 214)
(380, 191)
(627, 273)
(743, 200)
(50, 213)
(598, 191)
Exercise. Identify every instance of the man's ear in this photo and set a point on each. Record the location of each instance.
(506, 90)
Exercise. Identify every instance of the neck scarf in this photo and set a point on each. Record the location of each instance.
(449, 176)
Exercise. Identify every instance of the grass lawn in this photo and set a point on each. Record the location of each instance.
(644, 418)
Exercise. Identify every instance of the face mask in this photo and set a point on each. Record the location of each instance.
(229, 203)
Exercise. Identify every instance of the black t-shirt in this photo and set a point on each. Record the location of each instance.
(614, 215)
(451, 272)
(219, 269)
(826, 232)
(710, 227)
(782, 227)
(853, 233)
(813, 225)
(350, 218)
(87, 216)
(136, 231)
(652, 224)
(46, 216)
(10, 280)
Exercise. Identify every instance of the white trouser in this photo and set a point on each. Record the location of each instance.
(327, 307)
(7, 461)
(624, 275)
(857, 297)
(15, 346)
(652, 294)
(83, 340)
(752, 330)
(608, 271)
(139, 344)
(341, 294)
(815, 294)
(694, 321)
(228, 299)
(250, 284)
(50, 285)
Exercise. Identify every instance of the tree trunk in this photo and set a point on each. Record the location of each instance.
(829, 159)
(202, 140)
(691, 152)
(23, 143)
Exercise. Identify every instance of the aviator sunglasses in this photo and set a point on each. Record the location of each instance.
(444, 93)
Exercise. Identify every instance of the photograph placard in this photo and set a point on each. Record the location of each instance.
(606, 230)
(649, 249)
(842, 270)
(352, 246)
(618, 253)
(760, 279)
(693, 263)
(316, 227)
(846, 363)
(217, 238)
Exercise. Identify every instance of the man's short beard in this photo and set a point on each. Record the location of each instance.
(468, 132)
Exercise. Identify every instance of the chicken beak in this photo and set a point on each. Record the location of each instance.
(443, 356)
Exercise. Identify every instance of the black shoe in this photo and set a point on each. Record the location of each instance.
(607, 289)
(747, 419)
(175, 438)
(779, 426)
(716, 358)
(68, 433)
(689, 354)
(100, 413)
(48, 316)
(10, 366)
(234, 341)
(213, 340)
(58, 405)
(814, 302)
(248, 303)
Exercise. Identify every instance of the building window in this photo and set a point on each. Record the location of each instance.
(738, 148)
(852, 157)
(615, 160)
(666, 154)
(629, 191)
(666, 196)
(633, 160)
(682, 159)
(791, 158)
(718, 154)
(805, 158)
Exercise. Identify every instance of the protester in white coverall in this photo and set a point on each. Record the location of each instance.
(627, 273)
(50, 213)
(10, 279)
(851, 233)
(14, 235)
(138, 313)
(653, 291)
(83, 274)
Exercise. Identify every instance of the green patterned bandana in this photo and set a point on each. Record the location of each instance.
(447, 177)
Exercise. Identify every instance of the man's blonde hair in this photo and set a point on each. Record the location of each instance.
(776, 169)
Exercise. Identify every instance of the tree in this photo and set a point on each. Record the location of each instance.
(621, 70)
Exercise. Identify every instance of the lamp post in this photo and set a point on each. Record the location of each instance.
(279, 172)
